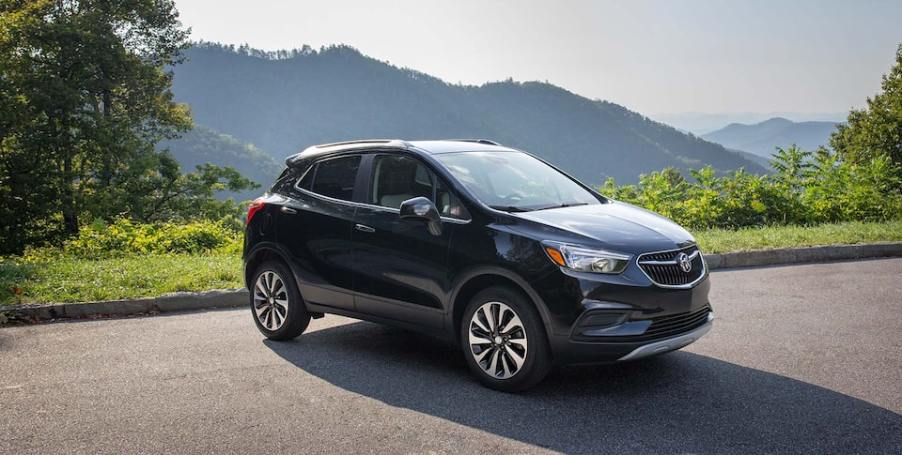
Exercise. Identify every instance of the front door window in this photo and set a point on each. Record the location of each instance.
(399, 178)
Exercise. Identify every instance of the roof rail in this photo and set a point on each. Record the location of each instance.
(362, 141)
(315, 150)
(478, 141)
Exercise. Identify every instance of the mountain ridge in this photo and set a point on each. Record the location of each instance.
(762, 138)
(307, 97)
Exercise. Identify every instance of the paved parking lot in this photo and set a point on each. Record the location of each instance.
(801, 359)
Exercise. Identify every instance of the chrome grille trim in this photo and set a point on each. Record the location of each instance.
(668, 258)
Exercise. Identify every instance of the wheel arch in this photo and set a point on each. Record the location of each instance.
(484, 277)
(260, 254)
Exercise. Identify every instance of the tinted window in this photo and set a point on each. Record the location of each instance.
(334, 177)
(515, 181)
(399, 178)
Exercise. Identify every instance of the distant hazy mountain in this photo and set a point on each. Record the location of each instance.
(762, 138)
(701, 123)
(761, 160)
(287, 102)
(203, 145)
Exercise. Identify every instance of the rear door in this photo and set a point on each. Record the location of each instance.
(316, 226)
(402, 270)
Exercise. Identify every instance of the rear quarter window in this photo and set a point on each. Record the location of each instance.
(284, 181)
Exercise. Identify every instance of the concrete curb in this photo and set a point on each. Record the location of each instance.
(232, 298)
(803, 255)
(179, 301)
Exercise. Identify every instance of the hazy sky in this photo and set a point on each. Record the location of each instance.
(653, 57)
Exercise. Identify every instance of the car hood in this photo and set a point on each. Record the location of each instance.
(617, 226)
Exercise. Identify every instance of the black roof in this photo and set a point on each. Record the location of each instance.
(431, 147)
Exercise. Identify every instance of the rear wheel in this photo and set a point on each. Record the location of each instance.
(276, 303)
(504, 340)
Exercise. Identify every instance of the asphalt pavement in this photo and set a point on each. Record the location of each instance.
(803, 358)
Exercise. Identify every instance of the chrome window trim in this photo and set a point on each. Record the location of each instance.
(701, 277)
(358, 204)
(398, 211)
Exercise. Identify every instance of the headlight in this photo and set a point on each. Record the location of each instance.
(585, 259)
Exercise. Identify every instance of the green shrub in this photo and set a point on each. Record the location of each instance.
(126, 238)
(806, 188)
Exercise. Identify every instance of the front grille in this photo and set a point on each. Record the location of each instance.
(665, 268)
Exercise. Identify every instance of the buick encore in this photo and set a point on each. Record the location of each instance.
(486, 246)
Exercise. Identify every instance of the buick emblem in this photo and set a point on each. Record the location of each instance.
(684, 262)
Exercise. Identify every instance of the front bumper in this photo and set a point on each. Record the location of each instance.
(568, 351)
(670, 344)
(624, 317)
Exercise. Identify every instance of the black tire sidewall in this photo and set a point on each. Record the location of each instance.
(538, 357)
(298, 317)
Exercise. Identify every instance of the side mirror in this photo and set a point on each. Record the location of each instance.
(420, 208)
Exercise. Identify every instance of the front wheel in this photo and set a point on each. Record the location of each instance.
(504, 340)
(276, 304)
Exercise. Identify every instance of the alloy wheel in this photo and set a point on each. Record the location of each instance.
(270, 300)
(497, 340)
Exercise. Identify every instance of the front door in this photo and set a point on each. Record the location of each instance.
(401, 269)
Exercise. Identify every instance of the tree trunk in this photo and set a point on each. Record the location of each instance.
(106, 174)
(70, 212)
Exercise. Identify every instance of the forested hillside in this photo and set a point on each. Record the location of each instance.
(286, 101)
(203, 145)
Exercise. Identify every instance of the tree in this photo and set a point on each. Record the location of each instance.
(877, 129)
(85, 93)
(171, 195)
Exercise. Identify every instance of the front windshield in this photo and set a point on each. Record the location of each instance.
(515, 181)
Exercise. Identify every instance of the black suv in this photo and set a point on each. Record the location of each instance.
(484, 245)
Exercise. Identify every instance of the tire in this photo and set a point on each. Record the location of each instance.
(511, 359)
(291, 316)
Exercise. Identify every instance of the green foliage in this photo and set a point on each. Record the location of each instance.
(91, 95)
(203, 145)
(769, 237)
(84, 99)
(876, 130)
(124, 238)
(124, 259)
(171, 195)
(68, 279)
(806, 188)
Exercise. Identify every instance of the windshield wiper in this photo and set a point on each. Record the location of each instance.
(509, 208)
(562, 205)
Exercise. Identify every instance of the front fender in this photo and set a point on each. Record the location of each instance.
(476, 272)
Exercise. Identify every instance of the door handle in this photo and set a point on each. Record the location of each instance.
(363, 228)
(288, 210)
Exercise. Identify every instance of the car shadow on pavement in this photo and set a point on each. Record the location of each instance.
(679, 402)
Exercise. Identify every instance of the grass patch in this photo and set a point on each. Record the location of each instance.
(82, 280)
(748, 239)
(70, 279)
